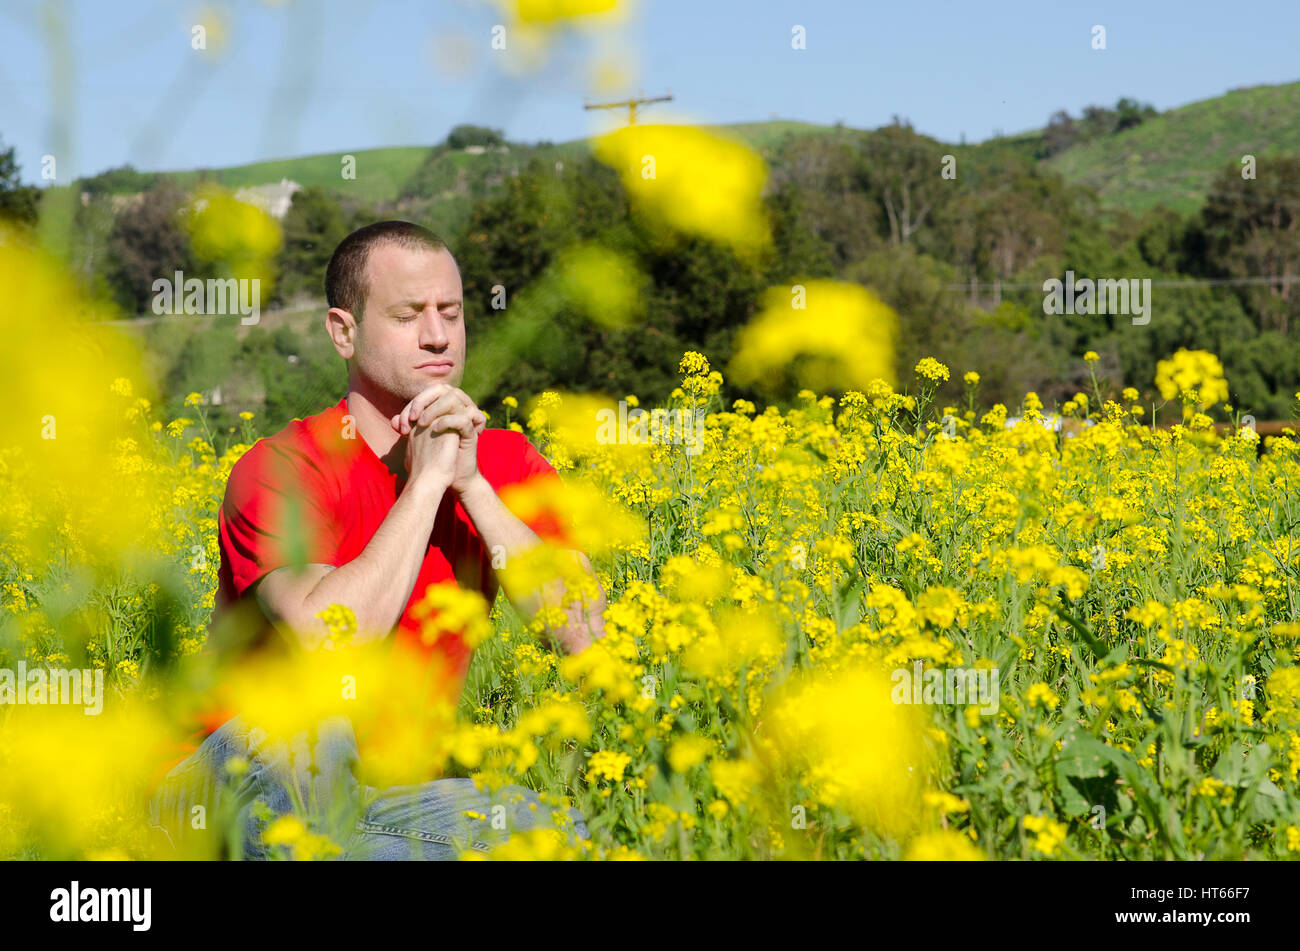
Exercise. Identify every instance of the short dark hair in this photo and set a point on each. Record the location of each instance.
(345, 278)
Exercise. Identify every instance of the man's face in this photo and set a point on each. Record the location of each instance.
(413, 333)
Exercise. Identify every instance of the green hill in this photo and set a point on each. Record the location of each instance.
(1173, 158)
(380, 172)
(1170, 159)
(385, 175)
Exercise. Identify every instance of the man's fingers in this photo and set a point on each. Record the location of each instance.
(437, 400)
(447, 403)
(448, 395)
(460, 422)
(413, 410)
(453, 402)
(417, 404)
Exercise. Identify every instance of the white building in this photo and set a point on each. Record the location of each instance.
(273, 199)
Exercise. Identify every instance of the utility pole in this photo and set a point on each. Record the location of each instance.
(630, 104)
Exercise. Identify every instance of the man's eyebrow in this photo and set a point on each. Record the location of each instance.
(402, 305)
(416, 304)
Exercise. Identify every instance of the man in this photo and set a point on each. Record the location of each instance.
(367, 505)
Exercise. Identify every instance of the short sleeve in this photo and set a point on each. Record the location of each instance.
(276, 513)
(536, 496)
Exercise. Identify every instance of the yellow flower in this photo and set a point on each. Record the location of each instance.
(931, 369)
(1195, 376)
(607, 764)
(1042, 695)
(548, 12)
(448, 609)
(854, 746)
(693, 363)
(946, 803)
(1049, 834)
(942, 847)
(340, 622)
(604, 285)
(688, 751)
(734, 779)
(691, 180)
(826, 334)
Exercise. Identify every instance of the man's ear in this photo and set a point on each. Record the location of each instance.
(342, 328)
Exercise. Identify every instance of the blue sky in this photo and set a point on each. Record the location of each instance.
(297, 77)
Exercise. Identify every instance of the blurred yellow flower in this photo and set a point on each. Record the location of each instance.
(942, 847)
(692, 181)
(855, 747)
(825, 334)
(1196, 376)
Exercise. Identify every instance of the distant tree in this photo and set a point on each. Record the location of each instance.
(901, 170)
(18, 202)
(1061, 133)
(1130, 112)
(1162, 240)
(313, 228)
(1252, 229)
(1096, 122)
(124, 180)
(1099, 121)
(147, 242)
(819, 189)
(510, 239)
(463, 136)
(1008, 215)
(799, 249)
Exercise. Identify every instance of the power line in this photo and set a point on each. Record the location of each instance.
(630, 105)
(1200, 282)
(966, 288)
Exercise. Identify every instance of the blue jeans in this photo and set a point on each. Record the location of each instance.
(313, 776)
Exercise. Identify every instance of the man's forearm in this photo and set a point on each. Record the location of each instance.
(498, 526)
(377, 584)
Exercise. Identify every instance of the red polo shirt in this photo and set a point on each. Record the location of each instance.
(315, 493)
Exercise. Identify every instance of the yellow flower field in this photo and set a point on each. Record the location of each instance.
(1125, 598)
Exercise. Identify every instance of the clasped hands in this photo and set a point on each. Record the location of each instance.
(441, 425)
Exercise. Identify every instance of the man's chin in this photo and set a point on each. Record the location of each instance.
(425, 379)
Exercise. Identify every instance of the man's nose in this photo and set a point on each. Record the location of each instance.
(433, 333)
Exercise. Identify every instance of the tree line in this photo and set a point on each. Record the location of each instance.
(957, 239)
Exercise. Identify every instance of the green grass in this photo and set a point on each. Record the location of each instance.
(1173, 158)
(380, 172)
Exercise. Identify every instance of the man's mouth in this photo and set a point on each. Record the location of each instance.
(437, 366)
